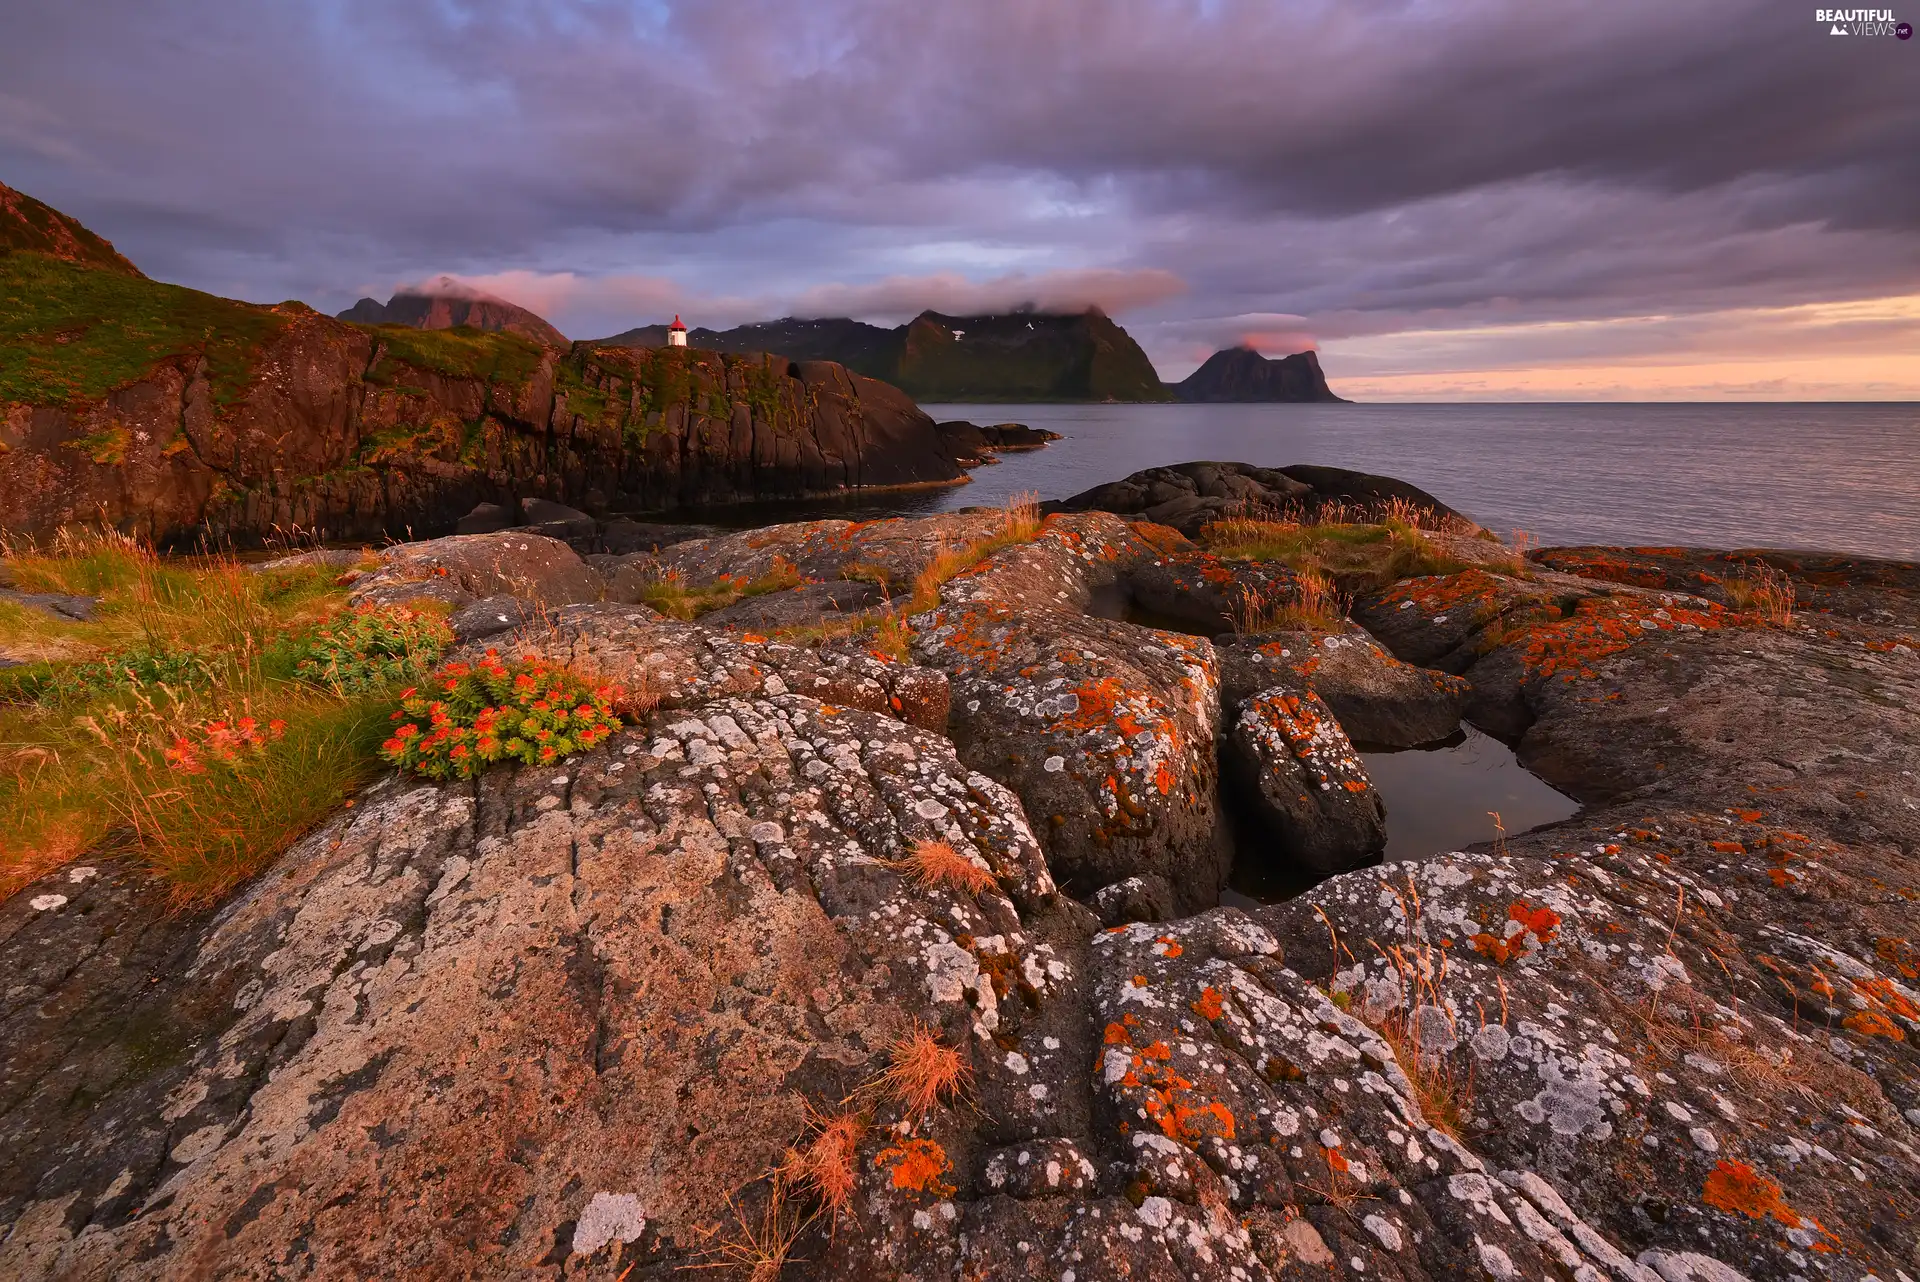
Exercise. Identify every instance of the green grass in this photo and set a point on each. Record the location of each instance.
(462, 352)
(92, 725)
(677, 600)
(1356, 556)
(72, 334)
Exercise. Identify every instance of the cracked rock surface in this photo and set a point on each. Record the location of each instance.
(564, 1022)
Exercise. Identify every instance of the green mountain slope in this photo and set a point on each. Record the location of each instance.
(26, 224)
(1017, 356)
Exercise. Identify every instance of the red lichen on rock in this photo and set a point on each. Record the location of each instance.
(917, 1166)
(1737, 1187)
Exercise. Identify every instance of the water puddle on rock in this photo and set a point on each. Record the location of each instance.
(1439, 797)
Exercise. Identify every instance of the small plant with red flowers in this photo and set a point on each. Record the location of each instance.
(373, 647)
(469, 716)
(223, 742)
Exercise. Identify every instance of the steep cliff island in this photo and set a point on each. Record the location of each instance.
(1240, 374)
(878, 935)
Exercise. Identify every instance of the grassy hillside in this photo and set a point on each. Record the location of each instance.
(73, 333)
(28, 226)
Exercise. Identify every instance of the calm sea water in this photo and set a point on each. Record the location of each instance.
(1844, 477)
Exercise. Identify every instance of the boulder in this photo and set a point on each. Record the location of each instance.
(1104, 729)
(1300, 773)
(556, 521)
(1008, 437)
(1188, 495)
(622, 535)
(486, 518)
(465, 567)
(1378, 700)
(1207, 593)
(797, 607)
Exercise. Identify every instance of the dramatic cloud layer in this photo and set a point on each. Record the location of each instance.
(1475, 197)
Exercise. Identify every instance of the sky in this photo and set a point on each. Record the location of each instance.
(1449, 199)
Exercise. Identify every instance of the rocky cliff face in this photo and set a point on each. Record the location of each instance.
(451, 306)
(1021, 356)
(180, 415)
(1242, 374)
(346, 432)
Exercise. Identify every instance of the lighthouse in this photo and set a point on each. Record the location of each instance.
(676, 333)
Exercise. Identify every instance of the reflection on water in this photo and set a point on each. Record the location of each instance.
(1440, 797)
(1444, 797)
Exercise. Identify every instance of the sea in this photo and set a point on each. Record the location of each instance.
(1839, 477)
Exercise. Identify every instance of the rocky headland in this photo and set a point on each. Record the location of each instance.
(190, 419)
(882, 938)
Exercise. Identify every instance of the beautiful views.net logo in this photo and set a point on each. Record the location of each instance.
(1863, 22)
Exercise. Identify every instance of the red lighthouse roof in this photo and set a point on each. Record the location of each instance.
(676, 323)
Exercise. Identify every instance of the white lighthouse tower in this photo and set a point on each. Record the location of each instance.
(676, 333)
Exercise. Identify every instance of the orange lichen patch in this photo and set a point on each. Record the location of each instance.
(1209, 1005)
(1899, 954)
(1729, 847)
(1781, 877)
(1161, 538)
(1601, 627)
(1885, 995)
(922, 1071)
(1871, 1023)
(1335, 1162)
(1116, 1035)
(1522, 920)
(1748, 816)
(1737, 1187)
(917, 1166)
(825, 1164)
(1167, 946)
(936, 863)
(1608, 567)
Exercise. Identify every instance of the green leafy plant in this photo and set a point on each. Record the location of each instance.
(470, 716)
(132, 669)
(374, 647)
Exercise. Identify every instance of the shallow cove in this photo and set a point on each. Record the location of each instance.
(1439, 797)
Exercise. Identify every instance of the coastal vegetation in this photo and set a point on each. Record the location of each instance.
(201, 719)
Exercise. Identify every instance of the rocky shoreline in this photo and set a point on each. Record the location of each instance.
(571, 1021)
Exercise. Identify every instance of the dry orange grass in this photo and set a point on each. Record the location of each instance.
(826, 1165)
(1760, 589)
(922, 1071)
(936, 863)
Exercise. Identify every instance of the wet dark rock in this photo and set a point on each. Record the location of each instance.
(556, 521)
(1189, 495)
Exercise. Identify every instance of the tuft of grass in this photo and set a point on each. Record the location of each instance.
(1315, 604)
(936, 863)
(671, 596)
(758, 1246)
(1760, 589)
(825, 1165)
(922, 1070)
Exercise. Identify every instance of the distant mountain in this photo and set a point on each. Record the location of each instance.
(446, 304)
(1017, 356)
(1242, 374)
(26, 224)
